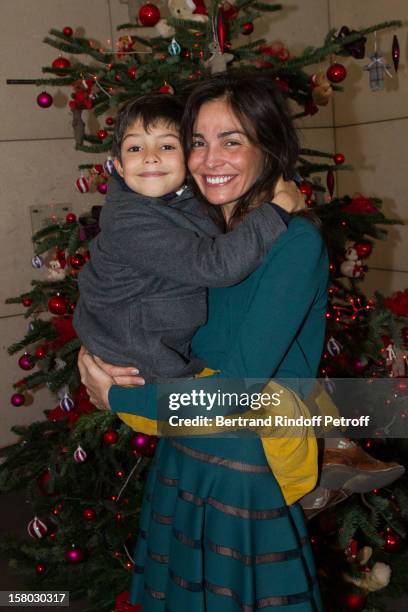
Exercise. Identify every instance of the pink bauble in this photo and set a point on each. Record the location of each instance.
(17, 399)
(359, 365)
(102, 188)
(44, 99)
(74, 555)
(26, 362)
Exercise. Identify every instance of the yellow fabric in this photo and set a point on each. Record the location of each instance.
(291, 452)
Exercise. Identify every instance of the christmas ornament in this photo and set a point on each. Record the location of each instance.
(376, 70)
(404, 335)
(37, 261)
(398, 303)
(333, 346)
(110, 120)
(77, 261)
(120, 474)
(306, 188)
(17, 399)
(82, 184)
(36, 528)
(360, 205)
(98, 168)
(143, 444)
(339, 159)
(229, 11)
(55, 270)
(80, 455)
(89, 514)
(354, 602)
(217, 61)
(221, 31)
(61, 62)
(74, 555)
(395, 53)
(363, 249)
(174, 48)
(118, 78)
(26, 301)
(70, 218)
(392, 540)
(40, 568)
(149, 15)
(330, 182)
(66, 403)
(44, 483)
(247, 28)
(110, 437)
(40, 352)
(359, 364)
(57, 509)
(26, 362)
(44, 99)
(356, 48)
(57, 305)
(132, 72)
(336, 73)
(166, 89)
(322, 90)
(68, 31)
(311, 108)
(109, 166)
(102, 134)
(102, 188)
(185, 54)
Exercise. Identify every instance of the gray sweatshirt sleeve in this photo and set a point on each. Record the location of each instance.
(155, 244)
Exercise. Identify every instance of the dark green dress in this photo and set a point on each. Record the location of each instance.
(215, 532)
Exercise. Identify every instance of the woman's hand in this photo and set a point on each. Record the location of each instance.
(122, 375)
(288, 196)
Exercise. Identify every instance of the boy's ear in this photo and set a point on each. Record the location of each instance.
(118, 167)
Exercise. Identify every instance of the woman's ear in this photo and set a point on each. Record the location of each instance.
(118, 167)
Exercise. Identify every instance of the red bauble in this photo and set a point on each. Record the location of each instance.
(40, 568)
(40, 352)
(57, 305)
(99, 168)
(122, 603)
(110, 436)
(68, 31)
(221, 31)
(392, 540)
(70, 218)
(306, 188)
(89, 514)
(102, 134)
(395, 53)
(363, 249)
(44, 485)
(166, 89)
(61, 62)
(77, 261)
(336, 73)
(404, 334)
(118, 78)
(74, 555)
(44, 99)
(132, 72)
(110, 120)
(247, 28)
(149, 15)
(26, 301)
(185, 54)
(102, 188)
(354, 602)
(330, 182)
(339, 159)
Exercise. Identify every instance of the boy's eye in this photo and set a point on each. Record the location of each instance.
(197, 143)
(134, 149)
(168, 147)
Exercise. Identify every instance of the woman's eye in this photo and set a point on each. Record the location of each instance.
(197, 143)
(232, 143)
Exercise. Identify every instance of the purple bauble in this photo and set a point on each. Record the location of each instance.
(37, 261)
(102, 188)
(140, 441)
(44, 99)
(74, 555)
(80, 455)
(67, 403)
(17, 399)
(359, 365)
(26, 362)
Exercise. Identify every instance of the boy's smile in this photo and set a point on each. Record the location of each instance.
(152, 162)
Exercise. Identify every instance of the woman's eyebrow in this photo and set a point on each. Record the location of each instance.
(221, 134)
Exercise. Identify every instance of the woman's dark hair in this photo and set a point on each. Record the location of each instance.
(149, 110)
(260, 107)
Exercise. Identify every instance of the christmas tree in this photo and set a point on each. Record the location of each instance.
(82, 536)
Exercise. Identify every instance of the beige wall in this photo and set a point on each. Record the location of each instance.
(39, 163)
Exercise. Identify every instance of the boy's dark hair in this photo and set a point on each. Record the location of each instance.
(264, 115)
(149, 110)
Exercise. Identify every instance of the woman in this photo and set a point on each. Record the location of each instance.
(215, 531)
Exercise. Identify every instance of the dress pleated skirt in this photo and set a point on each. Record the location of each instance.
(216, 535)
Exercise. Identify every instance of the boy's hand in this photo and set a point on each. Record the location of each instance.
(288, 196)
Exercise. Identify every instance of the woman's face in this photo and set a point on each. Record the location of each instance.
(223, 162)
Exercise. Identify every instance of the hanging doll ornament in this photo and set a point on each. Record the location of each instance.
(377, 68)
(395, 52)
(352, 267)
(218, 59)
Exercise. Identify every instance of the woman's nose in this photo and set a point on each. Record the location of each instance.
(213, 156)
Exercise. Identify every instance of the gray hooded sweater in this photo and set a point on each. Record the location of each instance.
(143, 293)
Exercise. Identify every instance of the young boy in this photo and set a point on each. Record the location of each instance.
(143, 292)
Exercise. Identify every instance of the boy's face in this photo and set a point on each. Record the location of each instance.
(152, 162)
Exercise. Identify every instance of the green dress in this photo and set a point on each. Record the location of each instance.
(215, 532)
